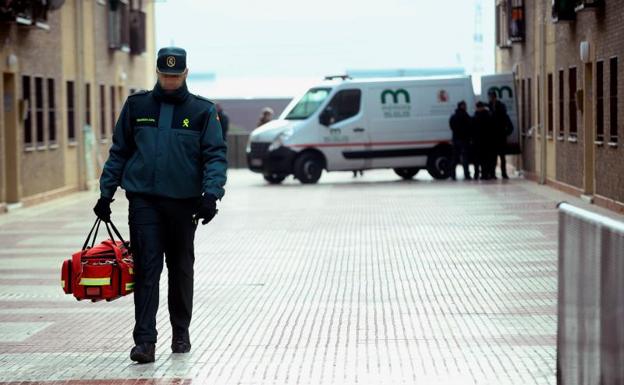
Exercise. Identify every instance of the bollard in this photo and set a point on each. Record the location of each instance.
(590, 326)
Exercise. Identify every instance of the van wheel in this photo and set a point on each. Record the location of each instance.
(308, 168)
(274, 178)
(406, 173)
(439, 164)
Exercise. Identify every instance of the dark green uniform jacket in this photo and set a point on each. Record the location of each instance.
(168, 145)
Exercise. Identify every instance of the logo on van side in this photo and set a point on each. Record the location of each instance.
(500, 91)
(400, 107)
(395, 95)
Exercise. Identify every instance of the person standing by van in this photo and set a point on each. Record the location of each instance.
(461, 126)
(485, 151)
(502, 128)
(265, 116)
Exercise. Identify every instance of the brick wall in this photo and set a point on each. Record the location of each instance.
(32, 45)
(604, 30)
(50, 53)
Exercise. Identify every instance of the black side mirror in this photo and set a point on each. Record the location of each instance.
(325, 118)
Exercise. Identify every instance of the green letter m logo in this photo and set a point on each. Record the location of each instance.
(395, 96)
(500, 91)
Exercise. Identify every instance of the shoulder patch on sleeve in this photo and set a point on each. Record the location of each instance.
(139, 92)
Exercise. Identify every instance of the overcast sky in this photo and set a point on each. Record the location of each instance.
(308, 39)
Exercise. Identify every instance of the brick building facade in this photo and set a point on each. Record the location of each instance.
(67, 67)
(567, 55)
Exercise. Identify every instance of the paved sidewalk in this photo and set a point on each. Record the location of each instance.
(370, 280)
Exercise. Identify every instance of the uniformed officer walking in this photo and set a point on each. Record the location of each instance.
(169, 155)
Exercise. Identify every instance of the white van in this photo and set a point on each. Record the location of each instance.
(346, 124)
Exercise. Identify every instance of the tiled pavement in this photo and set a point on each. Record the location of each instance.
(370, 280)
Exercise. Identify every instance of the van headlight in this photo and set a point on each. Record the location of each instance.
(280, 139)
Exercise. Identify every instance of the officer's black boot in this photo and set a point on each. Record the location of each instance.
(180, 344)
(143, 353)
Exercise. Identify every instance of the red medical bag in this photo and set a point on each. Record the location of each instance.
(97, 272)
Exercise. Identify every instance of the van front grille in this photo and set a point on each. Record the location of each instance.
(259, 149)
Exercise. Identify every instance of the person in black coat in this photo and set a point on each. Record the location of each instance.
(502, 127)
(461, 125)
(485, 141)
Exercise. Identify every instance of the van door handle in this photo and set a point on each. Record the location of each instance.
(358, 129)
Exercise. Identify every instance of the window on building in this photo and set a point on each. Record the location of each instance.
(51, 112)
(102, 112)
(561, 103)
(113, 108)
(503, 40)
(572, 108)
(550, 96)
(613, 100)
(39, 112)
(88, 104)
(71, 118)
(516, 28)
(28, 126)
(582, 4)
(40, 11)
(563, 10)
(118, 25)
(21, 12)
(600, 101)
(345, 104)
(137, 27)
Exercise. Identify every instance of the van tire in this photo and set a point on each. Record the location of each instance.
(439, 164)
(407, 173)
(308, 168)
(274, 178)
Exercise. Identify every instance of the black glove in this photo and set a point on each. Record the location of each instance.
(207, 210)
(102, 208)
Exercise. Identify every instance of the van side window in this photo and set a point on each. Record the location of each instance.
(345, 104)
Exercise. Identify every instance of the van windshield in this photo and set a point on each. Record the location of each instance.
(308, 104)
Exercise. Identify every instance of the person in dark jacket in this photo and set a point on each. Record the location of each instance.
(169, 156)
(265, 116)
(461, 125)
(502, 127)
(485, 151)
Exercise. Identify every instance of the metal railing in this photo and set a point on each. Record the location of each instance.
(590, 332)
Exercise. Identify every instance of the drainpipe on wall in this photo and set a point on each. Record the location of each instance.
(83, 183)
(542, 106)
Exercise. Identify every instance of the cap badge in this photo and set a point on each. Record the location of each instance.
(171, 61)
